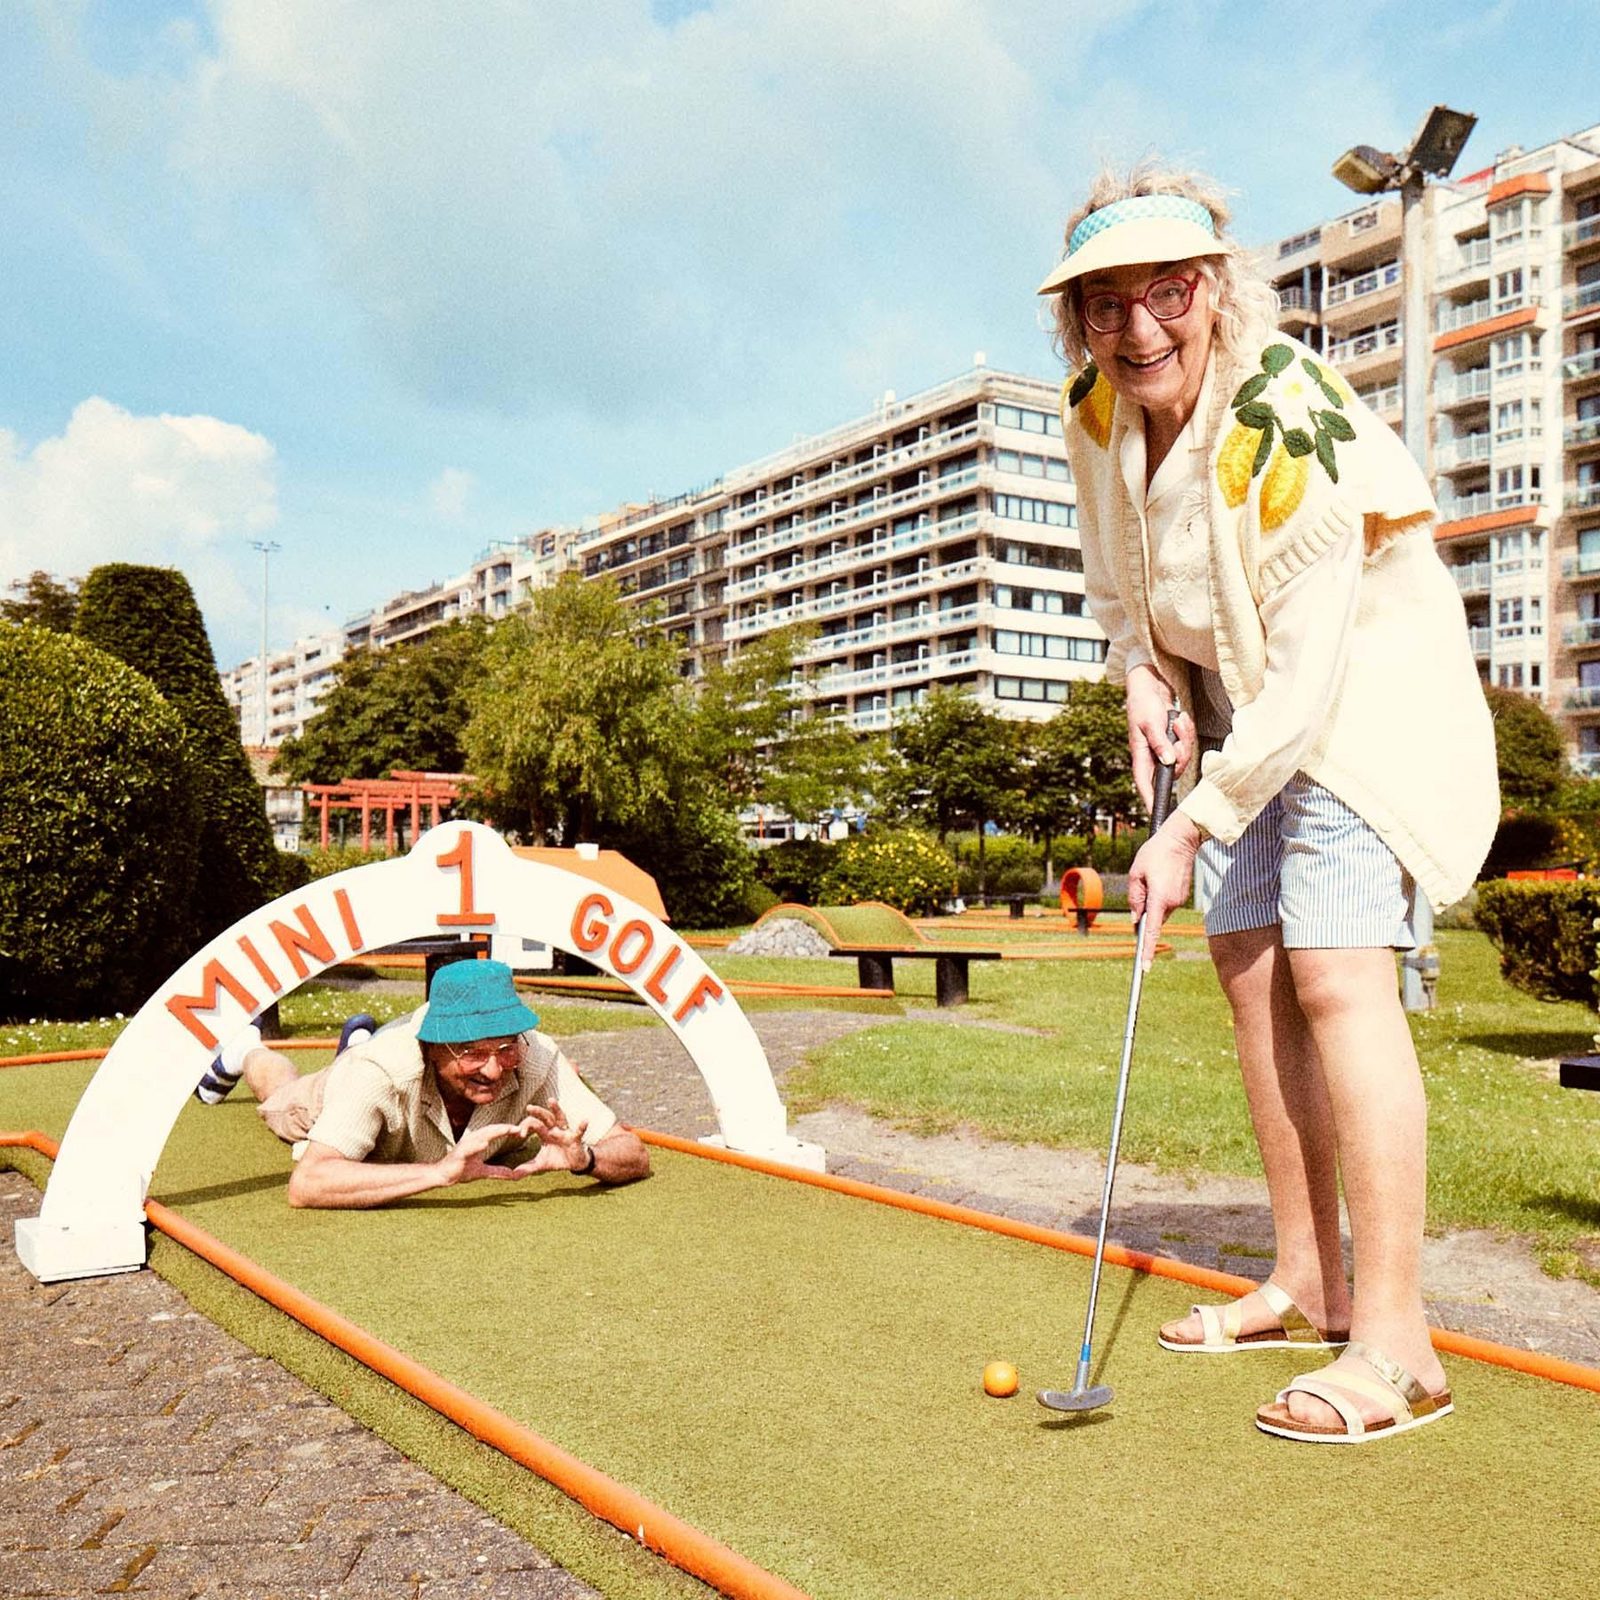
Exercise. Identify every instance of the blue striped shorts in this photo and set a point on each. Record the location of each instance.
(1310, 863)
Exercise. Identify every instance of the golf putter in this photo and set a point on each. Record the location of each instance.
(1082, 1397)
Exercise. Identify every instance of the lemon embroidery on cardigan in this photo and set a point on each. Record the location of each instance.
(1299, 408)
(1091, 386)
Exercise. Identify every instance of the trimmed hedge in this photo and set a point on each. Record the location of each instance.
(1544, 933)
(147, 617)
(98, 827)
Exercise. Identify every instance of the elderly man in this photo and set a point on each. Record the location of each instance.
(431, 1099)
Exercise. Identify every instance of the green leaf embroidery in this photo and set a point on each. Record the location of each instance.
(1321, 380)
(1325, 455)
(1263, 450)
(1276, 357)
(1250, 388)
(1297, 441)
(1256, 415)
(1338, 427)
(1082, 384)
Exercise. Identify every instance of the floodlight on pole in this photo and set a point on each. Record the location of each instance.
(1368, 170)
(268, 549)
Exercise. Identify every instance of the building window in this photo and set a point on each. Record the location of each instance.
(1016, 554)
(1036, 689)
(1019, 508)
(1027, 421)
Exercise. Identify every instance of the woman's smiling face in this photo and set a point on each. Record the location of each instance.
(1158, 365)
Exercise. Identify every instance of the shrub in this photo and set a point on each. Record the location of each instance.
(794, 870)
(323, 863)
(700, 862)
(99, 823)
(1012, 864)
(1544, 933)
(903, 868)
(147, 617)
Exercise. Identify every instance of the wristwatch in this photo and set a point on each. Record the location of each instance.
(588, 1161)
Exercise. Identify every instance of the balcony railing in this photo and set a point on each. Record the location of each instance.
(1584, 698)
(1450, 317)
(1585, 364)
(1584, 231)
(1365, 344)
(1586, 298)
(1584, 432)
(1458, 506)
(1384, 400)
(1583, 497)
(1296, 300)
(1463, 450)
(1472, 256)
(1582, 633)
(1379, 278)
(1473, 384)
(832, 482)
(1478, 638)
(1586, 564)
(1472, 577)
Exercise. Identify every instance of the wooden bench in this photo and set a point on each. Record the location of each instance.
(1580, 1072)
(875, 967)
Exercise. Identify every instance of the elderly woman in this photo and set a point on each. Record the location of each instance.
(1258, 547)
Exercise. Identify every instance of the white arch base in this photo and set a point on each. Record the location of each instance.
(458, 878)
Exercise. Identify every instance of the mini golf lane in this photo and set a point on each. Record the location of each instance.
(796, 1373)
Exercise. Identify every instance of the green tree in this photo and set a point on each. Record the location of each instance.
(39, 599)
(147, 617)
(1529, 750)
(1080, 769)
(405, 707)
(99, 828)
(578, 720)
(957, 763)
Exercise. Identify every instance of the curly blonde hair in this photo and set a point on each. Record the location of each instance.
(1246, 305)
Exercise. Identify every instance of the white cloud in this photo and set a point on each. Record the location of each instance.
(448, 494)
(184, 492)
(537, 205)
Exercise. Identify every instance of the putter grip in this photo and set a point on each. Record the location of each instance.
(1161, 789)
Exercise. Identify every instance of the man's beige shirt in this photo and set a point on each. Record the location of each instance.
(381, 1102)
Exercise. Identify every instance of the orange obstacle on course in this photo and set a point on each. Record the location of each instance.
(1082, 895)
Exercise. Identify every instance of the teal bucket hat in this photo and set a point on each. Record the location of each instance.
(474, 1000)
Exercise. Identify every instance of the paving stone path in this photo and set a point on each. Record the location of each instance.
(143, 1451)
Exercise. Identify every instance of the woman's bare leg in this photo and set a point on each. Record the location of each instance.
(1379, 1116)
(1294, 1128)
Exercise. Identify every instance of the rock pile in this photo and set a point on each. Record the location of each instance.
(782, 936)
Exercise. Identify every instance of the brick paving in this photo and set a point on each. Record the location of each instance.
(143, 1451)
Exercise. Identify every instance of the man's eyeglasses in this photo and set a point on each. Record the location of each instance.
(1166, 300)
(479, 1055)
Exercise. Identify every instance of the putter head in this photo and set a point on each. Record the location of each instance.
(1090, 1399)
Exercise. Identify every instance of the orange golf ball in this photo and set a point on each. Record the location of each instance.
(1000, 1379)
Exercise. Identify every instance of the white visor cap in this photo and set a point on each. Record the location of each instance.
(1144, 227)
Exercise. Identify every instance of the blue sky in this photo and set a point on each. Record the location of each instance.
(384, 282)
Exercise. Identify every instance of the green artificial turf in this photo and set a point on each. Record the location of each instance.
(1508, 1149)
(797, 1373)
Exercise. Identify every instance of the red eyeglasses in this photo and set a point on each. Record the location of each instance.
(1166, 300)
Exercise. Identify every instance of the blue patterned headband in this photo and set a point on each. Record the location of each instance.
(1140, 208)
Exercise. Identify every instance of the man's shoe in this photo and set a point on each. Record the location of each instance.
(222, 1076)
(357, 1030)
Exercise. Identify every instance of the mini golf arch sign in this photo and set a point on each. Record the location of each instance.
(458, 878)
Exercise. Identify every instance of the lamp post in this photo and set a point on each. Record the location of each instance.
(268, 549)
(1367, 170)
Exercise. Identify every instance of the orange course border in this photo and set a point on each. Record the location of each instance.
(641, 1519)
(652, 1526)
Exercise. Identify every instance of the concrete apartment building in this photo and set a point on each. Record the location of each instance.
(1513, 395)
(934, 542)
(931, 543)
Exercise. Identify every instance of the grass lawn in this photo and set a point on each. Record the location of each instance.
(1509, 1150)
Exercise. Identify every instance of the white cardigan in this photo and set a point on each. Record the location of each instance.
(1395, 722)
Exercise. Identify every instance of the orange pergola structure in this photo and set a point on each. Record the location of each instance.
(401, 791)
